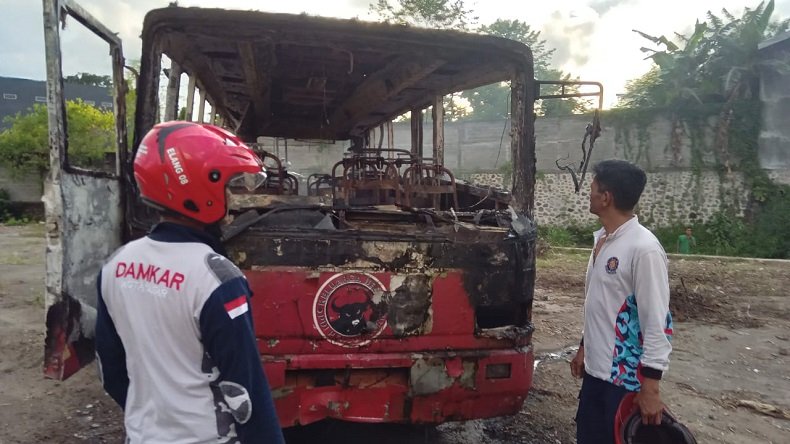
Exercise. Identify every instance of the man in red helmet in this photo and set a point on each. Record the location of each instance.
(627, 325)
(174, 335)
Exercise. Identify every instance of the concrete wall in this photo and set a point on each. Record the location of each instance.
(775, 95)
(675, 193)
(670, 197)
(472, 147)
(22, 189)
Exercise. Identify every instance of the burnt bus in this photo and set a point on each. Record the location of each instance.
(385, 289)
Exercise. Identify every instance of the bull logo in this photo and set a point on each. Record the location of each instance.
(351, 319)
(348, 309)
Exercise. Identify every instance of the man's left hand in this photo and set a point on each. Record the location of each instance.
(649, 401)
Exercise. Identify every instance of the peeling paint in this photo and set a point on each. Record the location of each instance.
(409, 304)
(510, 332)
(467, 379)
(431, 375)
(498, 258)
(84, 221)
(282, 392)
(428, 376)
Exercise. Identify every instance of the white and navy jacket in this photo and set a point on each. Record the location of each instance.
(176, 345)
(627, 324)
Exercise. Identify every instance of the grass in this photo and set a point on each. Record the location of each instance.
(14, 258)
(563, 259)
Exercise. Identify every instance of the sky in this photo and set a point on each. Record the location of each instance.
(593, 39)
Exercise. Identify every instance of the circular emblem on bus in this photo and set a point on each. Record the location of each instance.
(348, 309)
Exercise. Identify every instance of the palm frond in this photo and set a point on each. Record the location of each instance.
(715, 21)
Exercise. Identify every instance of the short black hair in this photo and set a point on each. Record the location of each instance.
(623, 179)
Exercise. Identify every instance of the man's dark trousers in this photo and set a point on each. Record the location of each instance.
(598, 403)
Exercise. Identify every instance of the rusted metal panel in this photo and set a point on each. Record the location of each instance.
(299, 311)
(260, 71)
(83, 229)
(399, 387)
(437, 292)
(84, 212)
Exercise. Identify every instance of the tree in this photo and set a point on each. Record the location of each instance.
(734, 60)
(718, 63)
(441, 14)
(492, 101)
(24, 147)
(85, 78)
(676, 83)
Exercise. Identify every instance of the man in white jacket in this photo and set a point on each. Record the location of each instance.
(625, 344)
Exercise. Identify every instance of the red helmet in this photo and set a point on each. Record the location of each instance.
(184, 167)
(628, 427)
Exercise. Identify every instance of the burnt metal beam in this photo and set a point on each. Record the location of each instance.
(179, 49)
(202, 106)
(438, 129)
(191, 97)
(256, 66)
(81, 15)
(398, 75)
(173, 86)
(523, 141)
(416, 132)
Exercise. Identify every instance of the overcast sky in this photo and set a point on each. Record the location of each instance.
(593, 38)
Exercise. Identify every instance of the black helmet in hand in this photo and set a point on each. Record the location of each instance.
(628, 427)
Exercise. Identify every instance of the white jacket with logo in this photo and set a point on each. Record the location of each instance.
(627, 323)
(176, 345)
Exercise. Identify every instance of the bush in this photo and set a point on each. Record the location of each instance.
(5, 205)
(555, 236)
(24, 146)
(567, 236)
(769, 235)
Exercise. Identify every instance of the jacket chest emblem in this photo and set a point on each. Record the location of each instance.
(611, 265)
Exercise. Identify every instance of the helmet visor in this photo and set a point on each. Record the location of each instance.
(249, 181)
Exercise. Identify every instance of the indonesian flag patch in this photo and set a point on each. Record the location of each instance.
(237, 307)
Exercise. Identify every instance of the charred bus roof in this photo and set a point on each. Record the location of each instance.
(298, 76)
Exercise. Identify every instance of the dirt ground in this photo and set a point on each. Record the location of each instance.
(728, 379)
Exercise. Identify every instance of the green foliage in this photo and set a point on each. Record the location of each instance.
(717, 63)
(713, 74)
(5, 204)
(12, 221)
(771, 233)
(491, 102)
(522, 32)
(84, 78)
(24, 146)
(443, 14)
(7, 214)
(726, 234)
(568, 235)
(555, 236)
(560, 107)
